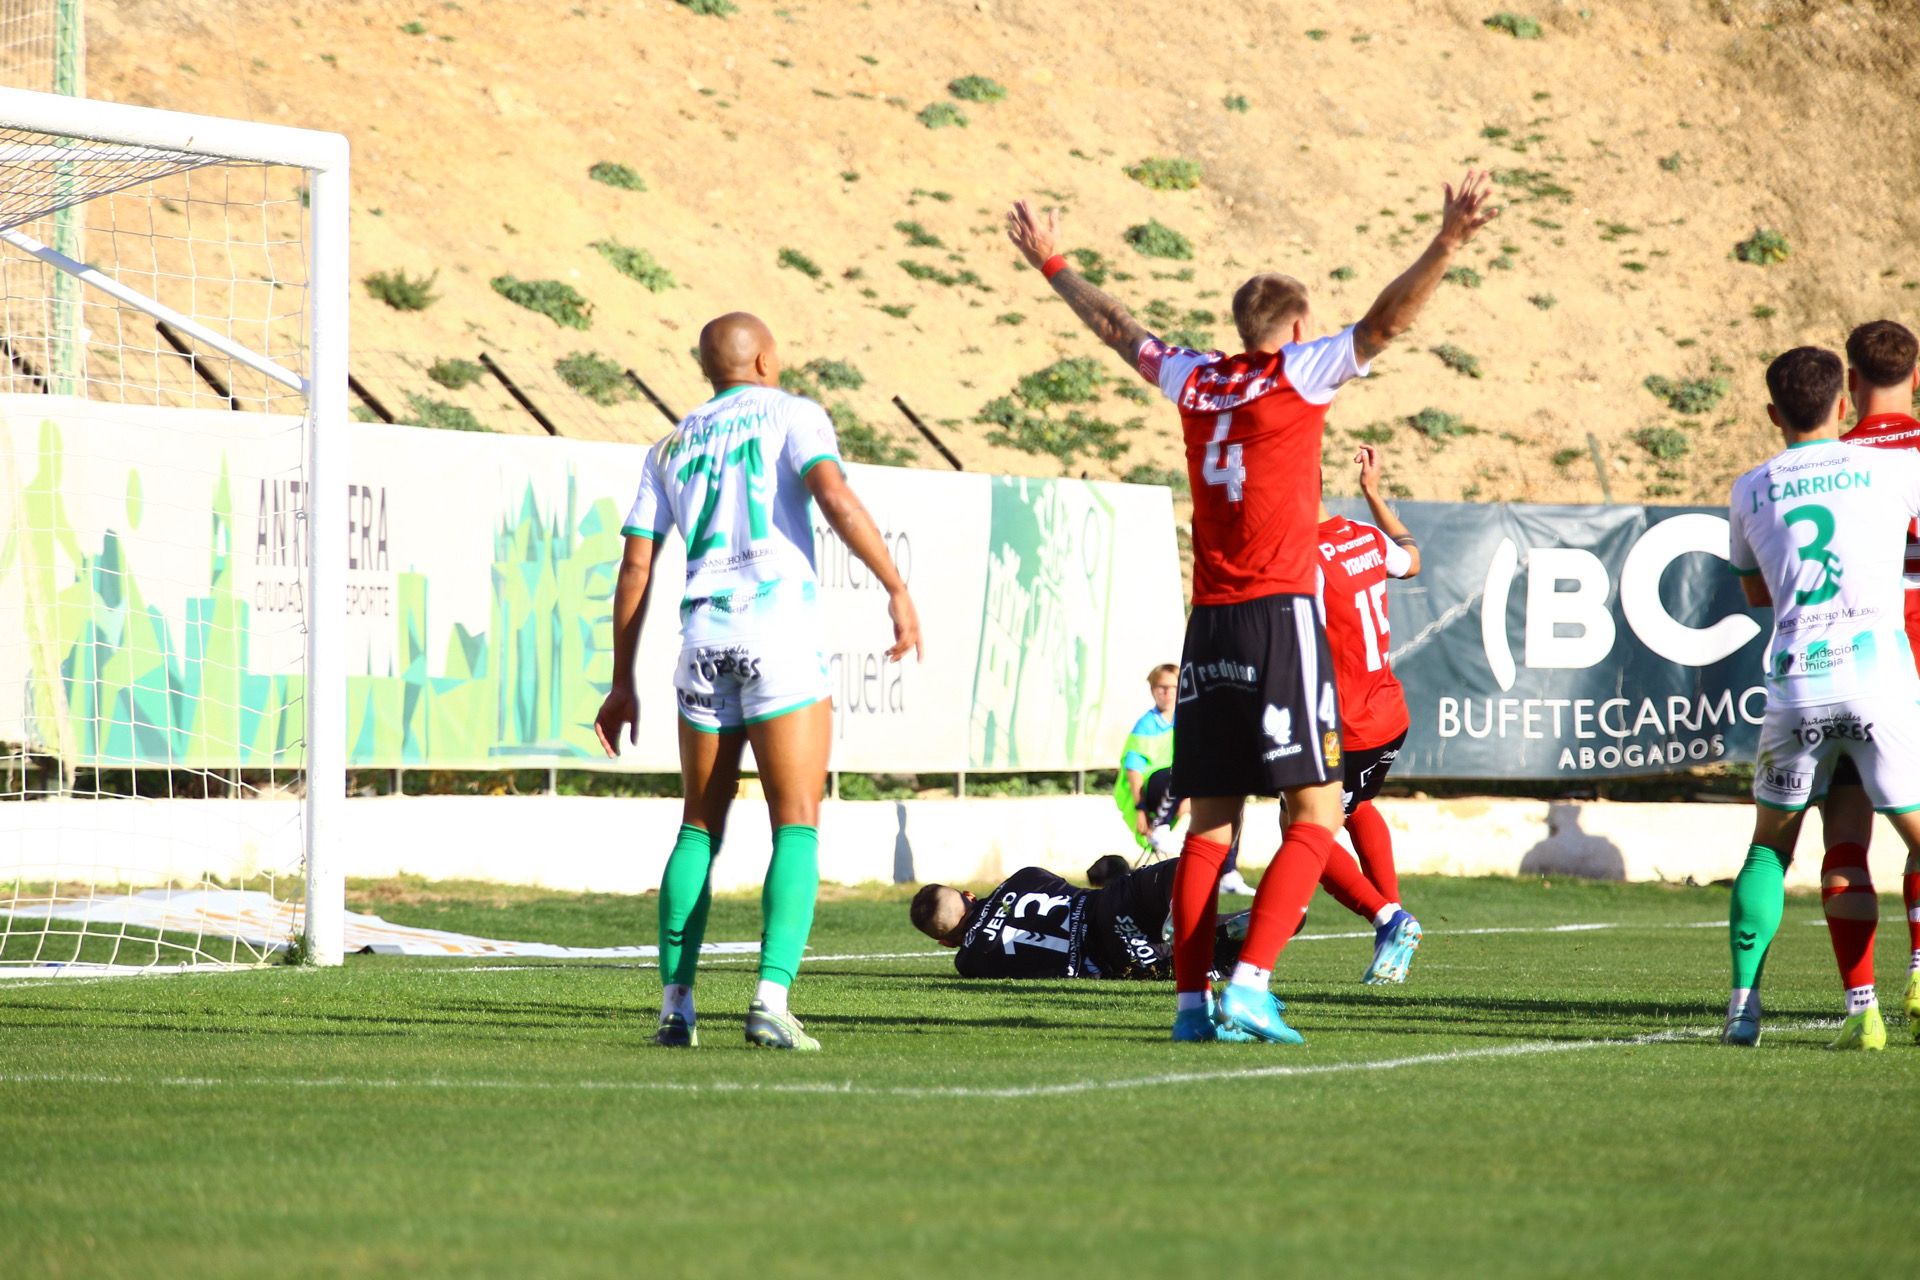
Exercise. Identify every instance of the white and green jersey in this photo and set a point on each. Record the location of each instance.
(1824, 524)
(730, 477)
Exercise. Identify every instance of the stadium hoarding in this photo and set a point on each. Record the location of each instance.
(480, 574)
(1573, 642)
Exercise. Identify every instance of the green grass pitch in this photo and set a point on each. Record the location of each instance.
(1532, 1103)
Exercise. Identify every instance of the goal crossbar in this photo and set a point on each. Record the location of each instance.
(155, 308)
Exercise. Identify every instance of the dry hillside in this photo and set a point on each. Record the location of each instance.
(1636, 143)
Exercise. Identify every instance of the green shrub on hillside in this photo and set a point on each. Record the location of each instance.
(918, 237)
(1516, 25)
(1156, 240)
(1458, 360)
(1147, 473)
(1075, 380)
(711, 8)
(1763, 248)
(939, 115)
(1688, 396)
(795, 260)
(558, 302)
(1439, 426)
(1235, 102)
(428, 412)
(1465, 276)
(1092, 267)
(861, 442)
(614, 174)
(1664, 443)
(1162, 173)
(635, 264)
(401, 291)
(597, 378)
(977, 89)
(455, 374)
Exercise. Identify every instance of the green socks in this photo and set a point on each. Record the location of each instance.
(786, 902)
(686, 891)
(1759, 900)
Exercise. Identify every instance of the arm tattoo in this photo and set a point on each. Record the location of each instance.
(1102, 314)
(1406, 540)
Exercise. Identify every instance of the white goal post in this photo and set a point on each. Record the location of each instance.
(166, 738)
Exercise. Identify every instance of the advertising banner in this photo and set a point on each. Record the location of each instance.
(151, 601)
(1572, 642)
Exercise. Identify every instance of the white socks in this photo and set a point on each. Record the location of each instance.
(1245, 975)
(1185, 1000)
(772, 995)
(1384, 914)
(676, 998)
(1860, 999)
(1745, 1002)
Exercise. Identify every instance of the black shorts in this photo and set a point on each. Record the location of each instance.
(1125, 920)
(1157, 798)
(1258, 713)
(1367, 769)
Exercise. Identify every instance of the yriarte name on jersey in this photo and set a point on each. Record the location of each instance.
(1610, 732)
(1353, 566)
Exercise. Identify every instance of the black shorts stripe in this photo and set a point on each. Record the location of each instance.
(1254, 680)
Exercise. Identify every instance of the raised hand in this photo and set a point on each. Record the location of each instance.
(1368, 459)
(1033, 236)
(1466, 210)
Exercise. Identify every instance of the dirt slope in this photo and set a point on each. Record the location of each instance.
(1638, 146)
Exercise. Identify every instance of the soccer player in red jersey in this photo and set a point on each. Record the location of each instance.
(1258, 711)
(1356, 559)
(1883, 372)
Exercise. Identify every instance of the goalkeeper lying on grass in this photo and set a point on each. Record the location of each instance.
(1036, 925)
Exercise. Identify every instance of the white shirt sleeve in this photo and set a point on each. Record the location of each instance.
(1739, 548)
(650, 516)
(810, 435)
(1319, 368)
(1399, 559)
(1169, 368)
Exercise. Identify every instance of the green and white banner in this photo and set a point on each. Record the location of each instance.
(151, 598)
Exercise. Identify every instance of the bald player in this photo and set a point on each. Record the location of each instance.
(735, 477)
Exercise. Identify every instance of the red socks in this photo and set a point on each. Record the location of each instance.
(1852, 939)
(1196, 894)
(1910, 894)
(1373, 841)
(1345, 885)
(1284, 890)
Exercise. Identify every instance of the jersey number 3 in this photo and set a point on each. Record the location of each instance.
(1224, 466)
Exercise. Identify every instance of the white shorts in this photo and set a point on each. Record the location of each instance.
(1800, 746)
(723, 686)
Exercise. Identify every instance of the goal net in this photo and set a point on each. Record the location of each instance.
(172, 357)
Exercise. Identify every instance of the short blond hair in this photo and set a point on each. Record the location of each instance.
(1164, 669)
(1265, 305)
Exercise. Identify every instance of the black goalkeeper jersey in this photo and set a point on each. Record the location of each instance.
(1036, 925)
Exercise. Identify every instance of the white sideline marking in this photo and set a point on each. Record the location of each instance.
(1529, 1048)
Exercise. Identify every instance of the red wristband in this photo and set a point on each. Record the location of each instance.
(1053, 266)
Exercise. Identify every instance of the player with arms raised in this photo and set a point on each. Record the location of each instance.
(1817, 531)
(1881, 379)
(1258, 711)
(735, 477)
